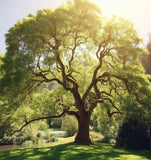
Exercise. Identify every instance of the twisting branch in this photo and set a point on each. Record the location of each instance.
(109, 76)
(78, 40)
(62, 67)
(88, 90)
(76, 114)
(100, 54)
(124, 80)
(108, 63)
(73, 49)
(108, 94)
(108, 111)
(111, 113)
(93, 82)
(38, 63)
(37, 119)
(72, 56)
(91, 108)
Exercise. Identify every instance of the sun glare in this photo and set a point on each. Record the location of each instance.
(127, 9)
(137, 11)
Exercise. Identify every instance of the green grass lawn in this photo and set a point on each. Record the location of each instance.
(66, 150)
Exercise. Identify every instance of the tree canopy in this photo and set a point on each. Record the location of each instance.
(92, 59)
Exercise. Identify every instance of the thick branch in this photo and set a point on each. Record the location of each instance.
(45, 79)
(94, 81)
(108, 75)
(111, 113)
(76, 44)
(108, 111)
(74, 114)
(62, 70)
(73, 50)
(124, 80)
(37, 119)
(108, 94)
(88, 90)
(91, 108)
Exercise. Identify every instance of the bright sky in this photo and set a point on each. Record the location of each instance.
(137, 11)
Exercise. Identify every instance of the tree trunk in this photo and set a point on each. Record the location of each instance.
(83, 131)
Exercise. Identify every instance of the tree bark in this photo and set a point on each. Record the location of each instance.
(83, 136)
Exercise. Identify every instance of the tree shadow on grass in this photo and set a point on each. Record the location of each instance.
(71, 151)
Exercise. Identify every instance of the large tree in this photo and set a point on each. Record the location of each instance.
(92, 60)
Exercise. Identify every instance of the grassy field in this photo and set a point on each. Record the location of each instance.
(66, 150)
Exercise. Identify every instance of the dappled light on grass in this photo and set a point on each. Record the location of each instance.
(68, 151)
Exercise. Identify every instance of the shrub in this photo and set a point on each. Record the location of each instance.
(106, 139)
(38, 134)
(1, 134)
(18, 139)
(6, 141)
(27, 143)
(134, 134)
(95, 135)
(112, 141)
(50, 138)
(23, 136)
(58, 133)
(43, 126)
(111, 136)
(36, 140)
(56, 123)
(70, 125)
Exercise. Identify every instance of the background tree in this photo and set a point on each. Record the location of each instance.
(146, 59)
(91, 59)
(135, 131)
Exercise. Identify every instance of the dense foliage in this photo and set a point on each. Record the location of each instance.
(135, 133)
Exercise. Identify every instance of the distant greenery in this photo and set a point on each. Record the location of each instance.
(70, 125)
(68, 151)
(35, 134)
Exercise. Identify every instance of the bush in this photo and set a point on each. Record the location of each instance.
(50, 138)
(70, 125)
(56, 122)
(112, 141)
(18, 139)
(6, 141)
(111, 136)
(58, 133)
(25, 135)
(134, 134)
(106, 139)
(1, 134)
(53, 139)
(27, 143)
(102, 123)
(38, 134)
(43, 126)
(95, 134)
